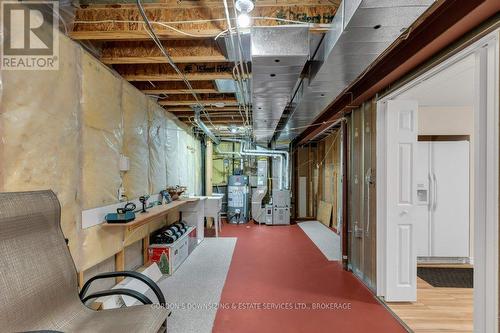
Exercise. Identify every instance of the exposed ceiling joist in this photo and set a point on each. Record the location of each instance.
(164, 72)
(144, 52)
(226, 101)
(120, 35)
(125, 22)
(188, 4)
(175, 87)
(213, 115)
(224, 110)
(178, 91)
(220, 121)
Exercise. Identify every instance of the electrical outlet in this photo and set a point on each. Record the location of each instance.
(121, 194)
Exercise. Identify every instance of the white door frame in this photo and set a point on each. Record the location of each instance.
(486, 175)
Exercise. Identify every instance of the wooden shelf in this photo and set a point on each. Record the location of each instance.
(151, 214)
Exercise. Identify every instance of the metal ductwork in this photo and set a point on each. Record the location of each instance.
(278, 58)
(224, 43)
(361, 31)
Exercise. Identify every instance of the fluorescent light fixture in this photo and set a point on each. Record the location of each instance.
(219, 105)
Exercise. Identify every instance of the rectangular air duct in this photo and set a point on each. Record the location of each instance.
(361, 30)
(278, 58)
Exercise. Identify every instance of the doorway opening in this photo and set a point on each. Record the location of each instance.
(437, 212)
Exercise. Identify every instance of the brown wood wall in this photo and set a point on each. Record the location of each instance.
(320, 163)
(362, 193)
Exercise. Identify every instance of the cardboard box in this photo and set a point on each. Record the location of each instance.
(170, 256)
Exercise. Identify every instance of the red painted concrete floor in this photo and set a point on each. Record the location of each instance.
(277, 280)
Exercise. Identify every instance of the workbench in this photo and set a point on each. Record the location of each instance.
(141, 219)
(152, 214)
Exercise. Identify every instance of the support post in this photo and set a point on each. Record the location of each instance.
(120, 264)
(145, 248)
(208, 175)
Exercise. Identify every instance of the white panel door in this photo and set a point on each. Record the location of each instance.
(401, 258)
(450, 199)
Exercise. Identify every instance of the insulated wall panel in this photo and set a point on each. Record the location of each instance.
(39, 140)
(102, 141)
(135, 140)
(172, 142)
(102, 133)
(65, 131)
(191, 162)
(197, 166)
(182, 159)
(157, 148)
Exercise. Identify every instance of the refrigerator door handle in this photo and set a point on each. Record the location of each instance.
(434, 194)
(431, 193)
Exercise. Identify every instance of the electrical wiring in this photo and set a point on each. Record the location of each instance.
(238, 74)
(330, 148)
(243, 66)
(306, 126)
(164, 24)
(150, 31)
(267, 18)
(168, 24)
(239, 108)
(239, 71)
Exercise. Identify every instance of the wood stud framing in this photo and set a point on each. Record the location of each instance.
(116, 29)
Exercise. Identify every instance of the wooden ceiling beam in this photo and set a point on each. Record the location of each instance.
(107, 23)
(212, 115)
(162, 59)
(178, 92)
(218, 121)
(175, 77)
(227, 101)
(188, 4)
(146, 52)
(182, 109)
(176, 87)
(164, 72)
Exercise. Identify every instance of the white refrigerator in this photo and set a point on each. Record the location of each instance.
(442, 228)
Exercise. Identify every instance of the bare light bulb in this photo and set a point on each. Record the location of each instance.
(243, 20)
(244, 6)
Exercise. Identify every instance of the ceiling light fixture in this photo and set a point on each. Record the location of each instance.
(219, 104)
(244, 7)
(233, 129)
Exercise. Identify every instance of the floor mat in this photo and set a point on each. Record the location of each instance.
(327, 241)
(194, 290)
(447, 277)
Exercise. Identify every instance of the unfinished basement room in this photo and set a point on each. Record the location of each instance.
(242, 166)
